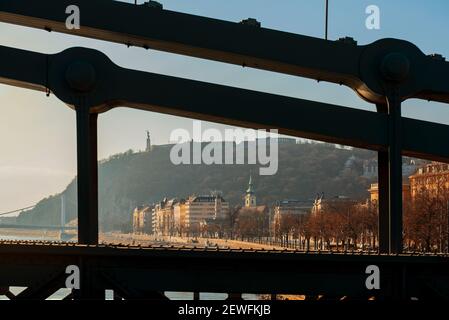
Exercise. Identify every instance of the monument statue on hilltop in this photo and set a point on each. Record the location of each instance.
(149, 147)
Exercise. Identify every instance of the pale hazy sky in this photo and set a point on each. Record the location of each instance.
(37, 134)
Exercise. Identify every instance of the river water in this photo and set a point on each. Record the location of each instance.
(41, 238)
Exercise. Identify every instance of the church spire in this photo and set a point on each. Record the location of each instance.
(250, 185)
(250, 196)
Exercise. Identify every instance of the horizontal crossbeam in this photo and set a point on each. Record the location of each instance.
(217, 103)
(143, 26)
(157, 270)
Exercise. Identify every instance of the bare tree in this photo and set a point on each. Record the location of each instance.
(426, 220)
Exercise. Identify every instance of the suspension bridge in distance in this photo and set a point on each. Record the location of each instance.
(62, 227)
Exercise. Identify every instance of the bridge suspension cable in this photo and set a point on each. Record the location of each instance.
(17, 210)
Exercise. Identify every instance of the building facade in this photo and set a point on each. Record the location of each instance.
(143, 217)
(165, 217)
(321, 203)
(180, 221)
(189, 216)
(292, 207)
(285, 208)
(198, 211)
(409, 167)
(374, 192)
(433, 178)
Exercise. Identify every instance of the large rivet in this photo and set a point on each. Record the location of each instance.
(81, 76)
(395, 67)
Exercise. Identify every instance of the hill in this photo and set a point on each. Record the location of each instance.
(130, 179)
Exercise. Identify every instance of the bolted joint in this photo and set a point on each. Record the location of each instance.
(251, 22)
(81, 76)
(153, 4)
(437, 56)
(395, 67)
(348, 40)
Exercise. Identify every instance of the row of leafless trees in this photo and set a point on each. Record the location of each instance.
(346, 226)
(338, 226)
(426, 219)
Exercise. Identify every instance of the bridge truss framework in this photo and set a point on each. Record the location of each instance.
(384, 73)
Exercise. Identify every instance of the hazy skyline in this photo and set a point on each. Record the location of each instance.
(37, 134)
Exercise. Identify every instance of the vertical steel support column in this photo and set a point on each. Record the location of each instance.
(86, 127)
(89, 288)
(395, 171)
(395, 69)
(383, 202)
(383, 195)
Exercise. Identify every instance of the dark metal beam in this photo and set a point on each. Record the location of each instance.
(87, 177)
(423, 139)
(23, 68)
(383, 202)
(292, 116)
(201, 100)
(395, 172)
(190, 35)
(90, 284)
(383, 195)
(247, 108)
(46, 287)
(335, 61)
(149, 270)
(211, 102)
